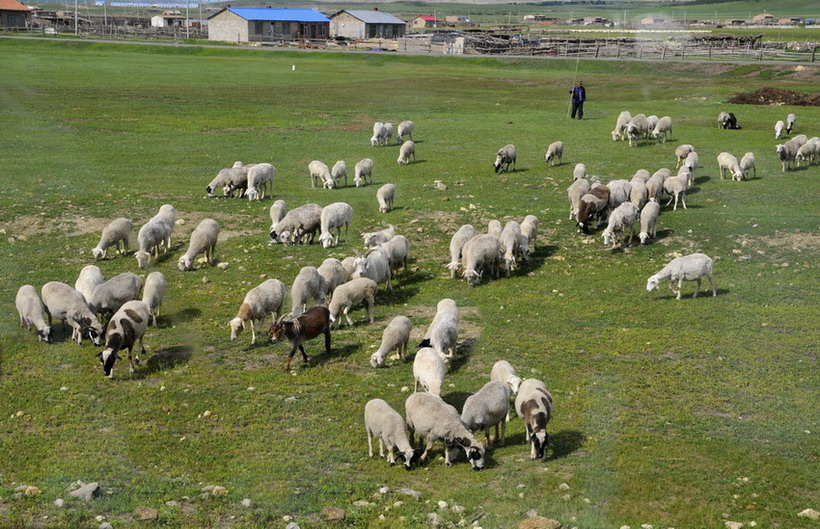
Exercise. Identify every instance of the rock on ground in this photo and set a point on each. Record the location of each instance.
(539, 522)
(330, 513)
(146, 513)
(810, 514)
(86, 491)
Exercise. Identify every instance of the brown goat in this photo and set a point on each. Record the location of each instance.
(306, 326)
(595, 209)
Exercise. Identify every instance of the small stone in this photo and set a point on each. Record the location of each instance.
(219, 491)
(105, 525)
(539, 522)
(409, 492)
(246, 502)
(532, 513)
(397, 504)
(205, 279)
(251, 388)
(811, 514)
(292, 525)
(330, 513)
(384, 490)
(99, 518)
(563, 486)
(59, 502)
(442, 504)
(733, 525)
(223, 266)
(647, 526)
(146, 513)
(63, 388)
(362, 503)
(32, 491)
(587, 501)
(625, 527)
(86, 491)
(433, 518)
(172, 503)
(457, 508)
(566, 497)
(405, 389)
(206, 413)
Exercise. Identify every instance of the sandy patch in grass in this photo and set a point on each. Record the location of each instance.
(798, 242)
(67, 225)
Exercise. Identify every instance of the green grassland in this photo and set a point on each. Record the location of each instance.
(674, 413)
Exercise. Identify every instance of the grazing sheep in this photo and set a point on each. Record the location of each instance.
(65, 303)
(394, 338)
(114, 293)
(727, 162)
(299, 224)
(430, 417)
(309, 325)
(375, 265)
(506, 156)
(407, 148)
(690, 267)
(388, 132)
(662, 129)
(259, 176)
(349, 264)
(379, 134)
(126, 328)
(619, 132)
(593, 207)
(800, 140)
(555, 150)
(534, 404)
(808, 152)
(384, 196)
(778, 129)
(334, 217)
(383, 422)
(237, 184)
(460, 238)
(203, 239)
(487, 408)
(267, 298)
(154, 293)
(790, 119)
(505, 373)
(676, 186)
(641, 174)
(623, 217)
(149, 239)
(509, 244)
(333, 273)
(338, 172)
(787, 153)
(167, 214)
(494, 228)
(619, 192)
(654, 186)
(480, 254)
(639, 195)
(31, 311)
(221, 180)
(428, 370)
(320, 173)
(396, 250)
(277, 213)
(692, 162)
(649, 220)
(681, 152)
(579, 172)
(442, 335)
(375, 238)
(529, 227)
(90, 276)
(747, 163)
(578, 189)
(112, 235)
(363, 172)
(637, 128)
(405, 129)
(307, 285)
(727, 120)
(351, 294)
(651, 121)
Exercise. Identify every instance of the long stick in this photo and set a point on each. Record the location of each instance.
(569, 108)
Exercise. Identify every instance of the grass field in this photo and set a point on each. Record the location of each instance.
(673, 413)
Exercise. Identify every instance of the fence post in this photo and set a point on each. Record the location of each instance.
(760, 58)
(813, 53)
(597, 49)
(619, 49)
(710, 51)
(640, 51)
(683, 50)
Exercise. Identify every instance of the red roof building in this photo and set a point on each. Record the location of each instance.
(13, 13)
(424, 21)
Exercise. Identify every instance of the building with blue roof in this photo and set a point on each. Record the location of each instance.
(366, 24)
(265, 24)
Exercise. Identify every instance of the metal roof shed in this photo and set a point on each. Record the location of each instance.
(255, 24)
(366, 24)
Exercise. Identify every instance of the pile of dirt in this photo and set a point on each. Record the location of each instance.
(777, 96)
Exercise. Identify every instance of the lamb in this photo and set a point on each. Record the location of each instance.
(388, 132)
(334, 217)
(649, 220)
(150, 238)
(747, 163)
(90, 276)
(442, 335)
(203, 239)
(114, 234)
(259, 176)
(637, 128)
(405, 129)
(394, 338)
(267, 298)
(487, 408)
(639, 194)
(338, 172)
(363, 172)
(690, 267)
(506, 156)
(428, 370)
(65, 303)
(578, 189)
(375, 265)
(778, 129)
(509, 244)
(460, 238)
(114, 293)
(375, 238)
(154, 293)
(396, 250)
(383, 422)
(379, 134)
(384, 196)
(787, 152)
(479, 255)
(619, 192)
(309, 325)
(320, 173)
(333, 273)
(534, 404)
(727, 162)
(529, 227)
(277, 213)
(663, 129)
(31, 311)
(623, 217)
(505, 373)
(299, 224)
(431, 417)
(619, 132)
(407, 148)
(555, 150)
(579, 172)
(125, 329)
(494, 228)
(676, 186)
(790, 119)
(681, 152)
(351, 294)
(167, 214)
(727, 120)
(307, 285)
(593, 207)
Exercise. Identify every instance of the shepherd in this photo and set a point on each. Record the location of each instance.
(579, 95)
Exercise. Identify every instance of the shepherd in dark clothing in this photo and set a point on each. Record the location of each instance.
(579, 95)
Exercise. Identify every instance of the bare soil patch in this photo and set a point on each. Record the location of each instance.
(776, 96)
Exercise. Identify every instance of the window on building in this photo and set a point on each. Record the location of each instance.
(258, 28)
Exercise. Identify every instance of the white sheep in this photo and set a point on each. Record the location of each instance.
(221, 180)
(510, 237)
(388, 132)
(333, 273)
(639, 195)
(534, 405)
(384, 196)
(126, 328)
(555, 150)
(578, 189)
(787, 153)
(681, 152)
(637, 128)
(375, 238)
(349, 264)
(65, 303)
(259, 176)
(167, 214)
(407, 148)
(299, 224)
(277, 213)
(728, 162)
(505, 373)
(619, 192)
(747, 163)
(506, 155)
(351, 294)
(428, 371)
(396, 250)
(383, 422)
(379, 134)
(260, 301)
(807, 152)
(652, 121)
(457, 242)
(800, 140)
(486, 408)
(338, 172)
(494, 228)
(394, 338)
(375, 265)
(237, 183)
(529, 227)
(90, 276)
(150, 239)
(623, 217)
(31, 310)
(579, 172)
(619, 132)
(319, 173)
(442, 335)
(405, 129)
(203, 239)
(654, 186)
(676, 186)
(649, 220)
(692, 162)
(114, 293)
(690, 267)
(430, 417)
(153, 294)
(334, 217)
(479, 255)
(790, 119)
(662, 129)
(641, 174)
(307, 285)
(778, 129)
(363, 172)
(114, 234)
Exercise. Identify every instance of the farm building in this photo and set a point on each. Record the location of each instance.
(424, 21)
(365, 24)
(13, 14)
(251, 24)
(168, 19)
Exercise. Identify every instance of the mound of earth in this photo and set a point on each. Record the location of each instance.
(777, 96)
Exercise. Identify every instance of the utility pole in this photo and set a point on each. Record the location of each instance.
(187, 21)
(76, 19)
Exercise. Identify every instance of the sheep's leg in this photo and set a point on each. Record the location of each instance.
(347, 316)
(697, 288)
(683, 199)
(428, 446)
(504, 431)
(381, 449)
(253, 332)
(672, 288)
(370, 309)
(680, 287)
(369, 444)
(487, 435)
(327, 340)
(290, 357)
(711, 284)
(447, 448)
(416, 386)
(676, 201)
(130, 359)
(304, 355)
(141, 351)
